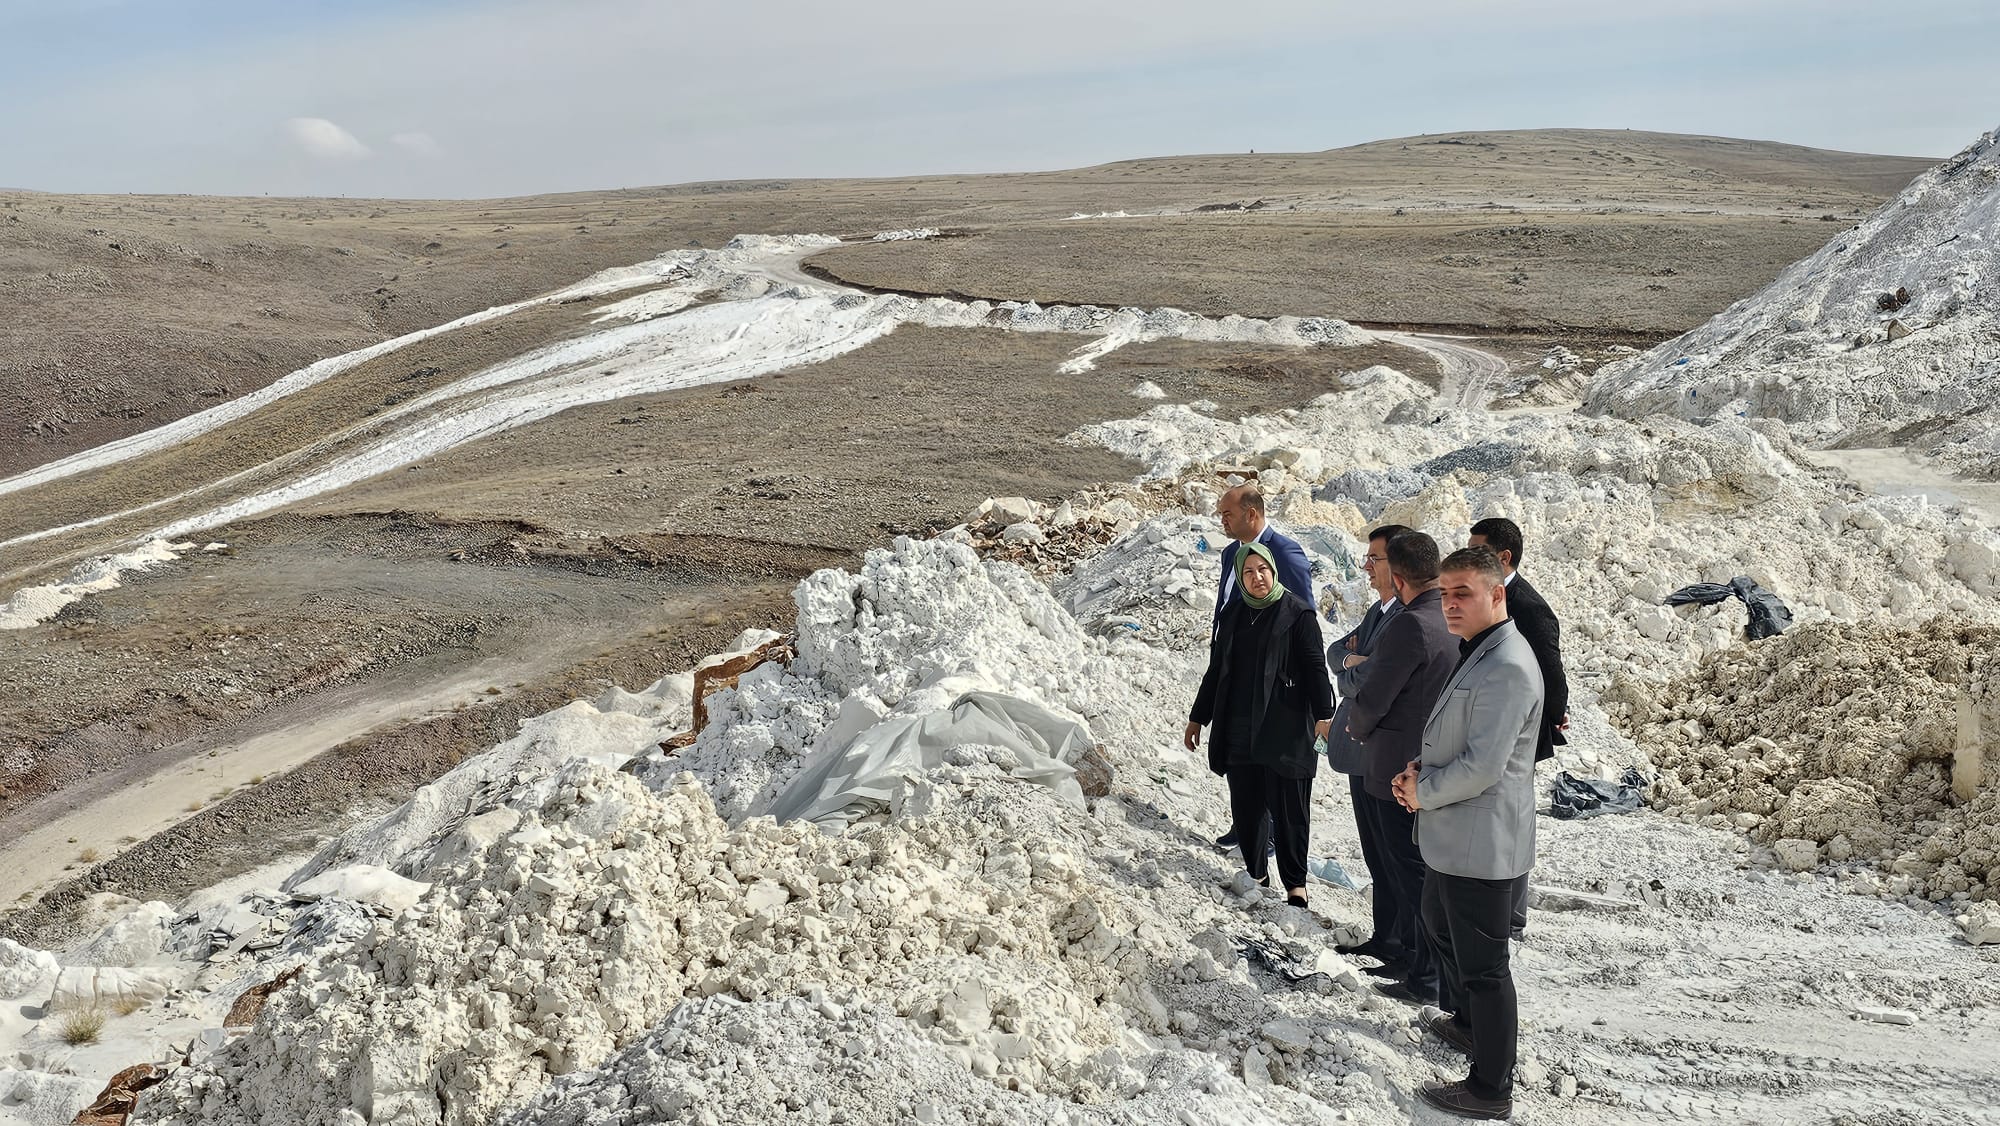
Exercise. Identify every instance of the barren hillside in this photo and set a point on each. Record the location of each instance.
(126, 312)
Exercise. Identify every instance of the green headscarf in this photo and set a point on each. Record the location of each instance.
(1277, 587)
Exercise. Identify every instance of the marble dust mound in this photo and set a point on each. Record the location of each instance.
(1887, 336)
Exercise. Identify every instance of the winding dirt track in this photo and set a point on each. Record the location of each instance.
(1466, 374)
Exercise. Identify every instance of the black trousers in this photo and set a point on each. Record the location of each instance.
(1467, 921)
(1521, 902)
(1403, 864)
(1384, 935)
(1261, 804)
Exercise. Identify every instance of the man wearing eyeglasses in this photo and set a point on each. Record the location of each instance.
(1348, 660)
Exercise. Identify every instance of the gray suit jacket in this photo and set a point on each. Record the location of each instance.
(1343, 753)
(1476, 781)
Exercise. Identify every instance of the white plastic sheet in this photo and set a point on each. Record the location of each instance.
(846, 782)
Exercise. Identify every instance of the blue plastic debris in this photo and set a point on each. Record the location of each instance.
(1329, 869)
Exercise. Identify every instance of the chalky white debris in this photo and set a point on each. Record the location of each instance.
(914, 629)
(1822, 350)
(981, 920)
(1835, 742)
(1618, 515)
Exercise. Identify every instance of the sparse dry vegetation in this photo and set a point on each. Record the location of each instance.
(80, 1026)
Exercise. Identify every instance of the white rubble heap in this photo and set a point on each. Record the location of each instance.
(916, 628)
(600, 947)
(1887, 336)
(998, 928)
(1859, 746)
(33, 605)
(1618, 515)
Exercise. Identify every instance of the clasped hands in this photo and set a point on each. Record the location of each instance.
(1404, 786)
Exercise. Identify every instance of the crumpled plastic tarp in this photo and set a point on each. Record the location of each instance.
(1768, 613)
(843, 783)
(1330, 870)
(1571, 798)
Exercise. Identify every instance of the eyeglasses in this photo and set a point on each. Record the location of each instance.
(1374, 559)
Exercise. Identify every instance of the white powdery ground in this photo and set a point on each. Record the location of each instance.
(1088, 959)
(1016, 935)
(985, 926)
(33, 605)
(1814, 350)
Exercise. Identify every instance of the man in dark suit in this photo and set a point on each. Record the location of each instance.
(1241, 511)
(1412, 660)
(1348, 659)
(1538, 627)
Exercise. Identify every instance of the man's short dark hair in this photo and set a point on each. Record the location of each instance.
(1413, 558)
(1251, 497)
(1501, 534)
(1481, 560)
(1388, 532)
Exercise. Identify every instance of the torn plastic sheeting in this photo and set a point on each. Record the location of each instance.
(1287, 964)
(1330, 870)
(1572, 798)
(1769, 616)
(845, 783)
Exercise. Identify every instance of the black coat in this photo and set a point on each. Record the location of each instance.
(1538, 626)
(1414, 657)
(1293, 690)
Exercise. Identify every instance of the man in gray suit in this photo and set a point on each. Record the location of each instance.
(1473, 793)
(1348, 659)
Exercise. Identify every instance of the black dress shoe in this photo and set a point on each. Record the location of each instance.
(1518, 934)
(1401, 991)
(1226, 840)
(1446, 1028)
(1457, 1099)
(1393, 971)
(1368, 949)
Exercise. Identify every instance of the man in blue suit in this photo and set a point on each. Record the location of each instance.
(1241, 511)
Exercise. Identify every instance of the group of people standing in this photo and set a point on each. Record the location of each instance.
(1450, 689)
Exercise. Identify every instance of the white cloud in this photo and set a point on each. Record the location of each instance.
(323, 139)
(420, 143)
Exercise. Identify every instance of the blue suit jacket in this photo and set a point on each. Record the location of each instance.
(1293, 570)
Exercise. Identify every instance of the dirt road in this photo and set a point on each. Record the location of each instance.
(1465, 374)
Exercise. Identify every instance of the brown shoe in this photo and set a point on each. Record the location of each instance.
(1456, 1099)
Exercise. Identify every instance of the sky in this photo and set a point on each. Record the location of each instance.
(448, 98)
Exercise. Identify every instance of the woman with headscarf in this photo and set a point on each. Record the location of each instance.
(1267, 694)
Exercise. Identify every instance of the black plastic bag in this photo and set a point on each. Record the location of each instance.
(1769, 616)
(1572, 798)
